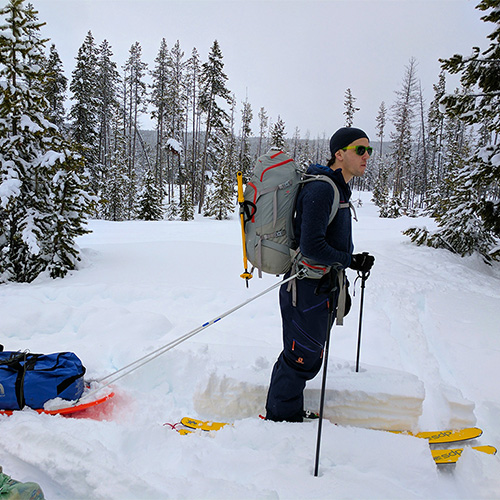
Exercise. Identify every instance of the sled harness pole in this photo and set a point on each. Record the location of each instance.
(364, 276)
(126, 370)
(241, 200)
(331, 318)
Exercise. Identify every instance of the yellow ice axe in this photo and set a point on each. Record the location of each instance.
(241, 199)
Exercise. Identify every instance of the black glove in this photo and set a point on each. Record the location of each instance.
(362, 262)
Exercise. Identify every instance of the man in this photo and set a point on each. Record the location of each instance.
(305, 312)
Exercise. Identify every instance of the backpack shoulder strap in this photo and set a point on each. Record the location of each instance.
(336, 194)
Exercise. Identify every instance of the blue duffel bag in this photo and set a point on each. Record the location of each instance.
(28, 379)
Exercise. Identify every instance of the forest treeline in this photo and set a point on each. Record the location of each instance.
(72, 148)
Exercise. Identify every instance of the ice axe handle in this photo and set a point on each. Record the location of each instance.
(241, 200)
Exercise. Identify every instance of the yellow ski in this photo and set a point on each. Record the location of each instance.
(451, 456)
(204, 425)
(433, 437)
(448, 436)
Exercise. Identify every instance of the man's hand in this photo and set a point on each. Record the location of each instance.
(362, 262)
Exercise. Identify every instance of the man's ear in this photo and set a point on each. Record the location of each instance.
(339, 156)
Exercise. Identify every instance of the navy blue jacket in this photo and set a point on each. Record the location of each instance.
(326, 244)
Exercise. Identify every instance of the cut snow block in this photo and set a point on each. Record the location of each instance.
(461, 410)
(374, 398)
(228, 398)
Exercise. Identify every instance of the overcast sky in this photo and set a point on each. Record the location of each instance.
(294, 58)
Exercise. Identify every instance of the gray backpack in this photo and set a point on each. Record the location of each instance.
(269, 207)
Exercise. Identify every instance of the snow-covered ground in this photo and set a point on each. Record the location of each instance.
(430, 359)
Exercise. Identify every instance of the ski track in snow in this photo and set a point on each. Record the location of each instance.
(141, 285)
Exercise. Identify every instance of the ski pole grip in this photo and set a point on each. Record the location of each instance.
(364, 275)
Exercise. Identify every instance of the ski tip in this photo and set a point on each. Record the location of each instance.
(451, 456)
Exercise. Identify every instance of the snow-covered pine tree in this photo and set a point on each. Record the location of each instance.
(84, 111)
(149, 204)
(186, 207)
(134, 103)
(43, 202)
(381, 193)
(380, 177)
(304, 158)
(277, 139)
(350, 109)
(158, 99)
(403, 115)
(192, 163)
(108, 120)
(175, 114)
(380, 124)
(176, 93)
(460, 230)
(435, 125)
(420, 172)
(479, 105)
(54, 88)
(295, 146)
(113, 201)
(213, 91)
(263, 125)
(245, 157)
(472, 175)
(114, 193)
(221, 200)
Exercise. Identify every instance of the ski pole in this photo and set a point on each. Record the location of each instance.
(331, 314)
(126, 370)
(364, 276)
(241, 199)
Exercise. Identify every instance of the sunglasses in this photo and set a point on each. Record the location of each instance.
(360, 150)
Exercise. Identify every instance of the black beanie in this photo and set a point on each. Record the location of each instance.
(343, 137)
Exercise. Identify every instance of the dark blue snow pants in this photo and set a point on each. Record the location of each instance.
(304, 336)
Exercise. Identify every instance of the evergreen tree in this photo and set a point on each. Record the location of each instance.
(379, 171)
(459, 228)
(187, 207)
(221, 201)
(263, 125)
(193, 114)
(304, 153)
(468, 216)
(296, 143)
(84, 111)
(381, 122)
(160, 76)
(245, 157)
(278, 135)
(134, 103)
(108, 114)
(176, 92)
(176, 109)
(172, 210)
(213, 91)
(350, 109)
(479, 105)
(436, 122)
(115, 181)
(403, 115)
(150, 207)
(43, 202)
(381, 194)
(54, 88)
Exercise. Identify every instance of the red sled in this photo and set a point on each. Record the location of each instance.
(68, 410)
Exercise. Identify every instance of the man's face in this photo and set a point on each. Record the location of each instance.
(352, 164)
